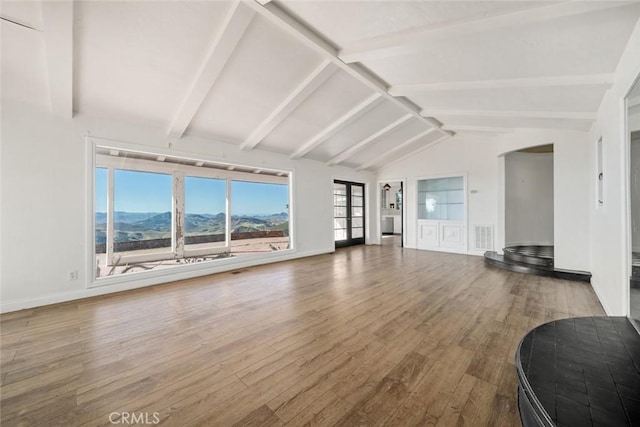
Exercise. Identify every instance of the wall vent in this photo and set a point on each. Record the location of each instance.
(483, 240)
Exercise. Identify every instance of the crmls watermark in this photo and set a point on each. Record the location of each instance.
(134, 418)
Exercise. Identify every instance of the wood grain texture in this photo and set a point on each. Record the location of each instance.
(369, 335)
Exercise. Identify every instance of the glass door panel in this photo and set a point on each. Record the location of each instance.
(340, 211)
(348, 208)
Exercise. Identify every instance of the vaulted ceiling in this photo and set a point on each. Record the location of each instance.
(357, 83)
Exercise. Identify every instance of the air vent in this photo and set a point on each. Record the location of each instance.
(483, 240)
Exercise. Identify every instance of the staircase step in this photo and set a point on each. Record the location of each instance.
(532, 255)
(496, 260)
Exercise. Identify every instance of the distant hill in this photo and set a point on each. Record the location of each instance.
(126, 217)
(134, 226)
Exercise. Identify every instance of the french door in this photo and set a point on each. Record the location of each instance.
(348, 213)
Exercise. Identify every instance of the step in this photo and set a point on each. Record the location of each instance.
(532, 254)
(494, 259)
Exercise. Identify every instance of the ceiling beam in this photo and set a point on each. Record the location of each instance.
(416, 151)
(224, 43)
(283, 20)
(412, 40)
(57, 19)
(312, 82)
(480, 129)
(336, 126)
(516, 114)
(368, 140)
(386, 154)
(529, 82)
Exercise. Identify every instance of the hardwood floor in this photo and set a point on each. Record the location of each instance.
(372, 335)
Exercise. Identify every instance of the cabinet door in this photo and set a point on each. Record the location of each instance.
(428, 234)
(452, 234)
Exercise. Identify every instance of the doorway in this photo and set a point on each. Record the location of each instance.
(348, 213)
(391, 213)
(529, 206)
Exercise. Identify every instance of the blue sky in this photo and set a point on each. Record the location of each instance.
(151, 192)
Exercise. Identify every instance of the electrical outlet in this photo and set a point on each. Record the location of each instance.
(73, 275)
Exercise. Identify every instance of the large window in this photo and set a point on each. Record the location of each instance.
(153, 212)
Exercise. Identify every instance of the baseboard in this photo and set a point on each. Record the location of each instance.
(137, 282)
(476, 253)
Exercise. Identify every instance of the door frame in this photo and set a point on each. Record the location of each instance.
(350, 241)
(403, 182)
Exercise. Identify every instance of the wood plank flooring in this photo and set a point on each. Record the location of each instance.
(373, 335)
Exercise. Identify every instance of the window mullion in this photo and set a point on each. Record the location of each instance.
(227, 224)
(110, 219)
(178, 223)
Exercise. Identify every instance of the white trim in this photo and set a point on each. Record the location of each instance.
(170, 153)
(89, 214)
(479, 129)
(125, 163)
(292, 208)
(627, 214)
(134, 281)
(526, 82)
(574, 115)
(178, 216)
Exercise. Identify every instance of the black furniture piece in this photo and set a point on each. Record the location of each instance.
(580, 372)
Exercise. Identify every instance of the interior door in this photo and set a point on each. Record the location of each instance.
(348, 213)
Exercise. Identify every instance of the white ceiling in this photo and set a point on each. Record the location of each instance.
(352, 83)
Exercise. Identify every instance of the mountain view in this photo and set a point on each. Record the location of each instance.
(136, 226)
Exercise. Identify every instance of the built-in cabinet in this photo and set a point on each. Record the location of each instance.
(442, 214)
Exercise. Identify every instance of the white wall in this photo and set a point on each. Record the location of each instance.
(482, 158)
(475, 156)
(610, 231)
(43, 209)
(529, 199)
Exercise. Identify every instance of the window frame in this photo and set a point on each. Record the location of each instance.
(178, 172)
